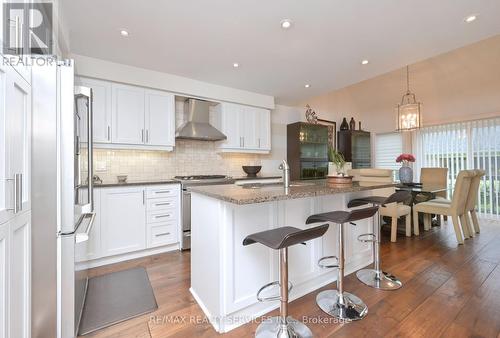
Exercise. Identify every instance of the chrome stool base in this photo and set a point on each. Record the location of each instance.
(274, 328)
(378, 279)
(346, 306)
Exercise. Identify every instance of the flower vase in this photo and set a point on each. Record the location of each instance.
(405, 174)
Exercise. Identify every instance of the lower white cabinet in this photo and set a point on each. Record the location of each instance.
(123, 220)
(131, 220)
(4, 279)
(15, 277)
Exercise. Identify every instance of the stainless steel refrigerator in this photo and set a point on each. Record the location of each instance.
(62, 198)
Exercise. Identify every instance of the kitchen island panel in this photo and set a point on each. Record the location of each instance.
(227, 275)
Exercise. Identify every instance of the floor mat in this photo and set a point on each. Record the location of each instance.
(116, 297)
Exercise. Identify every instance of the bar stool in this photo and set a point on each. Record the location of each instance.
(337, 303)
(375, 277)
(280, 239)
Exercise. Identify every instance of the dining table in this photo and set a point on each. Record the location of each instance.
(421, 193)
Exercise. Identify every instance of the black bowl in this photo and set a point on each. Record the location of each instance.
(251, 170)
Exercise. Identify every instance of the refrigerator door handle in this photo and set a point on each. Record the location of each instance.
(90, 152)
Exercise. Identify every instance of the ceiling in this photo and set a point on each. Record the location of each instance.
(324, 47)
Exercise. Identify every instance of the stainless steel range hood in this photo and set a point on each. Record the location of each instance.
(197, 125)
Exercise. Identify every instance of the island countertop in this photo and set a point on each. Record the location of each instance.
(260, 193)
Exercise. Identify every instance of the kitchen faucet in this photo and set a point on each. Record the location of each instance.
(286, 173)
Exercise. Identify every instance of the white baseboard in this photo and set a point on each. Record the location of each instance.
(125, 257)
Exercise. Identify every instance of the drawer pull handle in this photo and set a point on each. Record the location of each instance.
(162, 234)
(162, 192)
(162, 216)
(159, 204)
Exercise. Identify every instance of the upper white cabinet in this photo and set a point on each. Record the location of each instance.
(128, 114)
(159, 118)
(131, 117)
(248, 129)
(101, 91)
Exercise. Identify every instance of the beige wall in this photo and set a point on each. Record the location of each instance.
(460, 85)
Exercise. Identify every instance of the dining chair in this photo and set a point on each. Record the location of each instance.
(435, 177)
(472, 222)
(455, 209)
(392, 210)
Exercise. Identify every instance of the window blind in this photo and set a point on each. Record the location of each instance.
(466, 145)
(387, 148)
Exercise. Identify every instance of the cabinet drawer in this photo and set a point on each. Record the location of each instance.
(162, 191)
(160, 204)
(161, 216)
(162, 235)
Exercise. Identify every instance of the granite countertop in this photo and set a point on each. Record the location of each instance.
(252, 194)
(134, 183)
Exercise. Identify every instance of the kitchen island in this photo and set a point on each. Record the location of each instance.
(225, 275)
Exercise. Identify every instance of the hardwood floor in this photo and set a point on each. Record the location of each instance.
(448, 291)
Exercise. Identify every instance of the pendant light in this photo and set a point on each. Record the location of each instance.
(409, 115)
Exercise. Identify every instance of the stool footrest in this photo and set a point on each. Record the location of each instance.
(268, 285)
(365, 238)
(325, 266)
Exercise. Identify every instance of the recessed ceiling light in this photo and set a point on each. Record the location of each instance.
(471, 18)
(364, 62)
(236, 65)
(307, 85)
(286, 23)
(123, 32)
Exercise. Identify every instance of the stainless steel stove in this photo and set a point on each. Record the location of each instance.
(190, 181)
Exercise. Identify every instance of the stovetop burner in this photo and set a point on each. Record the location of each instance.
(200, 177)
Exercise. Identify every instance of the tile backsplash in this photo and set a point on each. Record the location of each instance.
(188, 158)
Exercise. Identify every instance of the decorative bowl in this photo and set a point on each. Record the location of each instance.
(251, 170)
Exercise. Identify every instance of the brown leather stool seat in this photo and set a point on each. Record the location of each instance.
(337, 303)
(284, 237)
(280, 239)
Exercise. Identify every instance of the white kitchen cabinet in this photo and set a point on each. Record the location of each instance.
(127, 115)
(15, 143)
(4, 279)
(159, 118)
(4, 214)
(264, 129)
(247, 128)
(123, 220)
(20, 276)
(101, 91)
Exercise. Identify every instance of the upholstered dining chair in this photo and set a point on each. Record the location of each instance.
(435, 177)
(392, 210)
(455, 209)
(472, 222)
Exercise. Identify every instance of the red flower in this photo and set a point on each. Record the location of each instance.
(405, 158)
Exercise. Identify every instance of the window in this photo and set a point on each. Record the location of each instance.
(387, 148)
(467, 145)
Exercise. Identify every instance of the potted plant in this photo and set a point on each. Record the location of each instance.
(337, 163)
(405, 172)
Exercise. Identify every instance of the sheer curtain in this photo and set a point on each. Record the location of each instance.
(465, 145)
